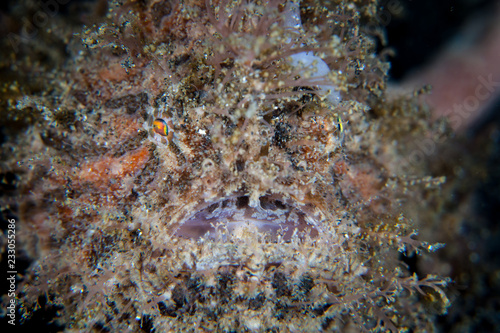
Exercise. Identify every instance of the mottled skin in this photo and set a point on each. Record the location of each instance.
(250, 137)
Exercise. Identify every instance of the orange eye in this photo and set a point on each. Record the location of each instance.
(160, 126)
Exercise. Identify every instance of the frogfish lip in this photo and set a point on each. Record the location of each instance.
(273, 215)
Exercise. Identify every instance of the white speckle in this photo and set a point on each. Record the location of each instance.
(253, 324)
(76, 289)
(202, 131)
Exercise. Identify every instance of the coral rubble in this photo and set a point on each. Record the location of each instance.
(269, 207)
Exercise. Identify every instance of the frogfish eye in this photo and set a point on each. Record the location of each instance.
(160, 126)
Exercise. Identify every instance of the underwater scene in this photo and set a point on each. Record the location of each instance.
(250, 166)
